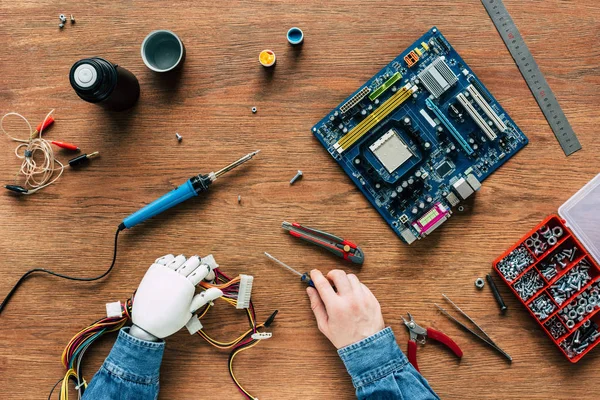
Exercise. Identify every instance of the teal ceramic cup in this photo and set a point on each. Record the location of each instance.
(163, 51)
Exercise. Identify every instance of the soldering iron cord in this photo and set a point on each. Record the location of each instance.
(73, 278)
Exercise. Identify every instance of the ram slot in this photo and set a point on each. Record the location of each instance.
(487, 109)
(482, 123)
(374, 118)
(446, 122)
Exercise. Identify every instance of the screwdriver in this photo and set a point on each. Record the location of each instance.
(305, 277)
(194, 186)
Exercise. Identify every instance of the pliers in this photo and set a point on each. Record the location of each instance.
(419, 334)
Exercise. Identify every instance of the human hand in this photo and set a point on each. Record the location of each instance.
(165, 301)
(348, 316)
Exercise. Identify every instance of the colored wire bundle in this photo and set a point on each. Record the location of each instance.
(74, 351)
(243, 342)
(36, 174)
(79, 344)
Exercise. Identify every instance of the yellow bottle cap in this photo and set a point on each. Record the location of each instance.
(267, 58)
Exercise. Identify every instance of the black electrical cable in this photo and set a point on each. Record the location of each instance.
(54, 387)
(73, 278)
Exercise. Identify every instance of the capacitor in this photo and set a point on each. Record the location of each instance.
(475, 147)
(406, 121)
(421, 205)
(363, 112)
(336, 114)
(415, 210)
(404, 184)
(440, 129)
(393, 195)
(427, 145)
(98, 81)
(357, 161)
(429, 199)
(411, 181)
(418, 174)
(471, 140)
(377, 186)
(399, 189)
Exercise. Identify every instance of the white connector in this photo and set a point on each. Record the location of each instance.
(262, 335)
(114, 310)
(244, 292)
(194, 325)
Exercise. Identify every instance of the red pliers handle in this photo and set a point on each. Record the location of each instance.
(437, 336)
(419, 334)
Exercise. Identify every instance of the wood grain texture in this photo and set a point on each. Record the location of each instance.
(69, 227)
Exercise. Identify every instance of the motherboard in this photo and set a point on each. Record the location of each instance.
(420, 136)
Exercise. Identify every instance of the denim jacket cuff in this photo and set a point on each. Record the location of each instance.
(373, 358)
(135, 360)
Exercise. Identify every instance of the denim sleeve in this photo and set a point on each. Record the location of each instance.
(130, 371)
(380, 370)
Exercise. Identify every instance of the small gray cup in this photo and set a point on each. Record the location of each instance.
(162, 51)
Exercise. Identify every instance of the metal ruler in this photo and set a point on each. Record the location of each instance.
(533, 76)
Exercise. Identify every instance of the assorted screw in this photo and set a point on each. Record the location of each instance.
(496, 293)
(72, 19)
(542, 307)
(543, 239)
(581, 339)
(571, 283)
(179, 137)
(529, 284)
(62, 18)
(557, 262)
(296, 177)
(254, 110)
(515, 263)
(581, 306)
(555, 327)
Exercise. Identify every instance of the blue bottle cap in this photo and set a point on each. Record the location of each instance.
(295, 36)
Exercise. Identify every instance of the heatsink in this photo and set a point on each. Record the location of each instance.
(437, 77)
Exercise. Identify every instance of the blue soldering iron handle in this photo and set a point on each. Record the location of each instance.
(171, 199)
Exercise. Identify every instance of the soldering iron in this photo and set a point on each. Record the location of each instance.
(193, 187)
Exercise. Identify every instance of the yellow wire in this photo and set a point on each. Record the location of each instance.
(231, 367)
(64, 389)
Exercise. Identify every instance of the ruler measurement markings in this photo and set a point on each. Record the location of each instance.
(533, 76)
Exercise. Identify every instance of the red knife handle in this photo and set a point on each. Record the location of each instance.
(445, 340)
(412, 354)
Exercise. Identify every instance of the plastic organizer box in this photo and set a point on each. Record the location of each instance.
(554, 271)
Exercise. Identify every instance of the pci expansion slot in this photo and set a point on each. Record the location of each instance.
(482, 123)
(440, 115)
(487, 109)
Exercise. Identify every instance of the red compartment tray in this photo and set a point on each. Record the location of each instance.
(555, 283)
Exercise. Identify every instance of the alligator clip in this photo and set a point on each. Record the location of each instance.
(338, 246)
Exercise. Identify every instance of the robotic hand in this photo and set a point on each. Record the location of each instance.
(165, 301)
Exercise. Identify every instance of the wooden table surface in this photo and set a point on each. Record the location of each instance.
(69, 226)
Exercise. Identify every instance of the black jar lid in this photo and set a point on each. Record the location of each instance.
(93, 79)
